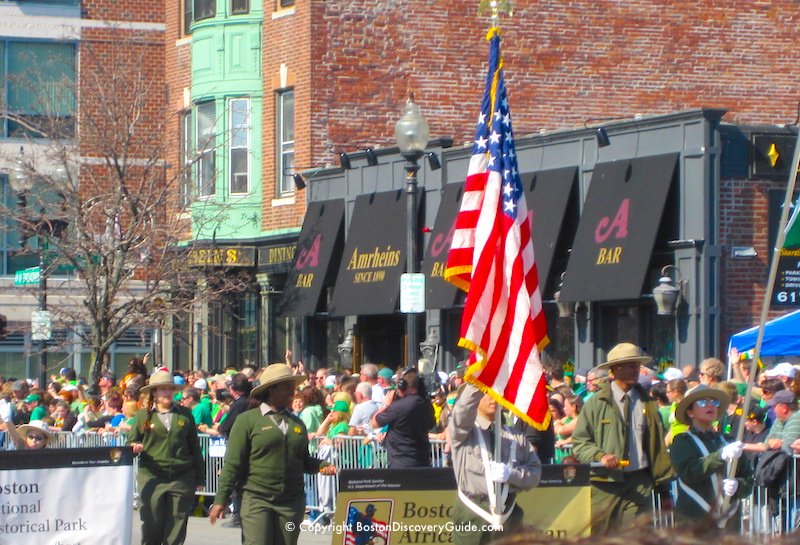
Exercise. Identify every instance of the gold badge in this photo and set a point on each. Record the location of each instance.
(297, 429)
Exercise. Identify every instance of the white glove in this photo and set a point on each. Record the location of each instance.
(729, 486)
(732, 451)
(497, 472)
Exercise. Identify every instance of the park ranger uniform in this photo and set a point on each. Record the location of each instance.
(472, 439)
(267, 455)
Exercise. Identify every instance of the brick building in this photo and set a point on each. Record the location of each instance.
(332, 77)
(62, 61)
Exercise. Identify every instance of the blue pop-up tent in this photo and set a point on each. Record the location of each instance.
(781, 337)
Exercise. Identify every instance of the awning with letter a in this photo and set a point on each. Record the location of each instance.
(547, 195)
(374, 256)
(617, 229)
(320, 238)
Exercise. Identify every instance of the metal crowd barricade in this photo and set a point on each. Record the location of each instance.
(762, 515)
(773, 512)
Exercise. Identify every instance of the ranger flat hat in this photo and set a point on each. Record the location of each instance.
(160, 379)
(622, 353)
(275, 373)
(701, 391)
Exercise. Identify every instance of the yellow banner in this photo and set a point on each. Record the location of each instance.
(393, 507)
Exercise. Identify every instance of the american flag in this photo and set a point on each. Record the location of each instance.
(370, 529)
(491, 258)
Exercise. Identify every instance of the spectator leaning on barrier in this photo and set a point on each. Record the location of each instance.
(620, 428)
(518, 468)
(171, 464)
(700, 457)
(786, 428)
(267, 452)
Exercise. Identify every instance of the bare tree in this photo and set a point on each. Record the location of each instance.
(110, 197)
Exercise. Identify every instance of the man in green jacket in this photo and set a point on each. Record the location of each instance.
(620, 432)
(267, 455)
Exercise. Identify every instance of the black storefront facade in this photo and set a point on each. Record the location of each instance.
(606, 222)
(241, 327)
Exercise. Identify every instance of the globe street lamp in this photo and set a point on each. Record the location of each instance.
(411, 133)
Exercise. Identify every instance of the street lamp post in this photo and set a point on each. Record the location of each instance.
(22, 184)
(411, 133)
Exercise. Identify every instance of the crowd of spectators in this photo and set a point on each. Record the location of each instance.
(332, 404)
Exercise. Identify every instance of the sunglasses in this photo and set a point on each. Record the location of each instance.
(35, 437)
(702, 403)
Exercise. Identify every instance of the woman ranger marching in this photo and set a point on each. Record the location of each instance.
(700, 457)
(170, 463)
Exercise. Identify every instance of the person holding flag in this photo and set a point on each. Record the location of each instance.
(491, 257)
(517, 468)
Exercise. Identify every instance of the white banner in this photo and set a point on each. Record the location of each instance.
(66, 496)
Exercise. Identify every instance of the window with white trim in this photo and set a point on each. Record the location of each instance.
(206, 149)
(285, 137)
(239, 148)
(186, 158)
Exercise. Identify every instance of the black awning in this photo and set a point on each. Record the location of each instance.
(617, 229)
(438, 292)
(374, 256)
(547, 195)
(321, 234)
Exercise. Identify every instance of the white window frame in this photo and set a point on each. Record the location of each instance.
(206, 150)
(284, 148)
(187, 159)
(247, 146)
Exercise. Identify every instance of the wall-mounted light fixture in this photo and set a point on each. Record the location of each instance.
(601, 133)
(743, 251)
(372, 159)
(602, 137)
(344, 161)
(666, 295)
(301, 181)
(433, 161)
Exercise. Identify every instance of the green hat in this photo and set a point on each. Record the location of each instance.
(386, 373)
(341, 406)
(31, 398)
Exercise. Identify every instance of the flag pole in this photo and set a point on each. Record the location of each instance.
(494, 8)
(773, 272)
